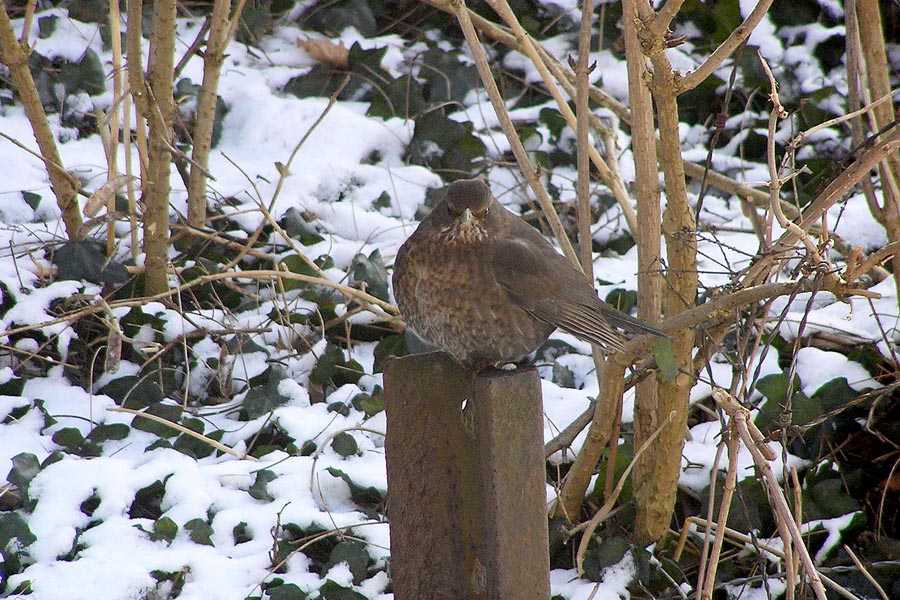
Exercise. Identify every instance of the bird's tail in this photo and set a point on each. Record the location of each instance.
(629, 324)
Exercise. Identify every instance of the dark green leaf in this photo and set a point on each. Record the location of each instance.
(827, 499)
(835, 394)
(339, 408)
(563, 376)
(364, 72)
(46, 26)
(623, 300)
(366, 497)
(241, 533)
(25, 468)
(164, 529)
(299, 265)
(326, 365)
(256, 21)
(447, 78)
(14, 527)
(335, 591)
(32, 199)
(85, 260)
(445, 145)
(197, 447)
(402, 97)
(147, 501)
(199, 531)
(86, 75)
(371, 270)
(287, 591)
(262, 399)
(259, 489)
(354, 554)
(774, 387)
(331, 18)
(298, 228)
(371, 404)
(90, 504)
(665, 359)
(333, 367)
(345, 444)
(69, 438)
(168, 412)
(243, 343)
(110, 431)
(554, 121)
(13, 387)
(605, 554)
(134, 392)
(390, 347)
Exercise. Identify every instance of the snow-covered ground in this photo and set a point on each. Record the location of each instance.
(98, 521)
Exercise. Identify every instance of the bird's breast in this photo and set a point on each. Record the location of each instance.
(448, 294)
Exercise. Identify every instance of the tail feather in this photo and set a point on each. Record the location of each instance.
(629, 324)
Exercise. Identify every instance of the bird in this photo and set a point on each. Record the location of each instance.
(479, 282)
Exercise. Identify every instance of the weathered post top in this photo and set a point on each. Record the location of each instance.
(466, 486)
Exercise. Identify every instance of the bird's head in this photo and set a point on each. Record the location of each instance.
(472, 210)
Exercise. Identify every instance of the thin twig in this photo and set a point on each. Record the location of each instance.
(528, 170)
(603, 512)
(177, 426)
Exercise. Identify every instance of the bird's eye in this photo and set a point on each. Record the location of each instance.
(484, 212)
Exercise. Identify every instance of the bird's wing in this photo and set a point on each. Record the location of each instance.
(544, 284)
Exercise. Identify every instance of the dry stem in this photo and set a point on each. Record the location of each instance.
(787, 528)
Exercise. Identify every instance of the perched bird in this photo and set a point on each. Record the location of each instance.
(479, 282)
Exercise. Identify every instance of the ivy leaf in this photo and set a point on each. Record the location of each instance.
(168, 412)
(148, 501)
(389, 347)
(622, 299)
(85, 261)
(323, 80)
(86, 75)
(402, 97)
(445, 145)
(331, 18)
(164, 529)
(366, 497)
(298, 228)
(287, 591)
(447, 79)
(604, 555)
(371, 270)
(835, 393)
(345, 444)
(134, 392)
(69, 438)
(199, 531)
(259, 489)
(106, 432)
(14, 527)
(241, 533)
(334, 367)
(354, 554)
(371, 404)
(25, 468)
(261, 400)
(31, 199)
(335, 591)
(665, 359)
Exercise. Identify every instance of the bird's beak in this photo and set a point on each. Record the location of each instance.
(466, 215)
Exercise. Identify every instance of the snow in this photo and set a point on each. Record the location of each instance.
(344, 165)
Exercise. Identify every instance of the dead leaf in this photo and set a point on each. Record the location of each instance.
(326, 51)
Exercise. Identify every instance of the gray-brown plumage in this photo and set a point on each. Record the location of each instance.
(479, 282)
